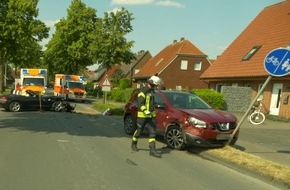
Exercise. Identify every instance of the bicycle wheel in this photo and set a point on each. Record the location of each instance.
(257, 118)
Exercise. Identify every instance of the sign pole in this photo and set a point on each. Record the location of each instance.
(276, 63)
(40, 105)
(105, 97)
(251, 105)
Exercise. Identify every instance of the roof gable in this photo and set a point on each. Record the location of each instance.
(269, 30)
(101, 72)
(166, 56)
(127, 69)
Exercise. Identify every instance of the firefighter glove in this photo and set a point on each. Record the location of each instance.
(147, 112)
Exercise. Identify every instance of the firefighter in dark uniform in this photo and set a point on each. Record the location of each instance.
(147, 115)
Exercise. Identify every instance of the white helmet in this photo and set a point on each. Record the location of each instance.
(154, 80)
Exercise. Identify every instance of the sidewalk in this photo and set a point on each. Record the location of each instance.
(270, 140)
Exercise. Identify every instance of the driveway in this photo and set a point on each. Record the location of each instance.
(270, 140)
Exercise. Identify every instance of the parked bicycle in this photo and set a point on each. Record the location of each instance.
(256, 117)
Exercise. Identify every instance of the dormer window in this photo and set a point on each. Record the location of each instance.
(251, 53)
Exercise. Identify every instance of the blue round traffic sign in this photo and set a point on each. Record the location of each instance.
(277, 62)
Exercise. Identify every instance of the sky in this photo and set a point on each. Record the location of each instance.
(211, 25)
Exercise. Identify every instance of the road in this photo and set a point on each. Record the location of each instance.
(79, 151)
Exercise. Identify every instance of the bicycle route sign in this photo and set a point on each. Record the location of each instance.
(277, 62)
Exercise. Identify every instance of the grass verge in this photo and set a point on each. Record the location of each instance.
(264, 167)
(115, 107)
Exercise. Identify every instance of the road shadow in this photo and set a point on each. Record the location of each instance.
(284, 151)
(241, 148)
(75, 124)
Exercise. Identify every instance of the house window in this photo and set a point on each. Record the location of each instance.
(251, 53)
(183, 65)
(197, 66)
(136, 71)
(218, 87)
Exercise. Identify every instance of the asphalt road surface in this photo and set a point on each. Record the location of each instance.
(78, 151)
(270, 140)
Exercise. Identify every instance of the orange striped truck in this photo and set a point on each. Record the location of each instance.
(32, 79)
(71, 87)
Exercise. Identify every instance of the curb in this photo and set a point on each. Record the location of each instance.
(277, 183)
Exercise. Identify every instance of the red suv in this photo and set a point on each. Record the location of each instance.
(185, 119)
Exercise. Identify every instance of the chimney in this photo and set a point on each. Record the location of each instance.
(181, 39)
(174, 41)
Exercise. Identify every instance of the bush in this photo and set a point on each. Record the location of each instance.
(212, 97)
(116, 95)
(124, 83)
(120, 95)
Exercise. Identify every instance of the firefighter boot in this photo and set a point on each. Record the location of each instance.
(153, 151)
(134, 146)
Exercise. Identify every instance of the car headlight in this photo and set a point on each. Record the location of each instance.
(198, 123)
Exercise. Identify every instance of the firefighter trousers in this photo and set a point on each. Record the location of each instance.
(141, 123)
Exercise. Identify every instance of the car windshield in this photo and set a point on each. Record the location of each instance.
(184, 100)
(76, 85)
(33, 81)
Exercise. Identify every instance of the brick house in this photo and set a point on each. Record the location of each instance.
(128, 70)
(179, 64)
(242, 63)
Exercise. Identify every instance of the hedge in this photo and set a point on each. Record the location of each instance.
(212, 97)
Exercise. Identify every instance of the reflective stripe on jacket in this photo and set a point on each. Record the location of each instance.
(146, 102)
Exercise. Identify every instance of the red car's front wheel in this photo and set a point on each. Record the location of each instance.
(129, 125)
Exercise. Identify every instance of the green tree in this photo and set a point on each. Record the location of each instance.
(83, 39)
(20, 34)
(112, 45)
(68, 51)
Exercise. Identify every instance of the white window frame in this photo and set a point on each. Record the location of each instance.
(197, 66)
(218, 87)
(183, 64)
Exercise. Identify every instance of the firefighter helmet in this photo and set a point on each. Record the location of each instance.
(154, 80)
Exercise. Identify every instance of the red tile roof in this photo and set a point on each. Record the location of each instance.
(270, 29)
(166, 56)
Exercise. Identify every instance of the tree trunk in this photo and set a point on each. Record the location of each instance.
(2, 62)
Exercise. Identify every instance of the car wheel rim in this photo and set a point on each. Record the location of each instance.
(56, 106)
(174, 138)
(15, 106)
(128, 124)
